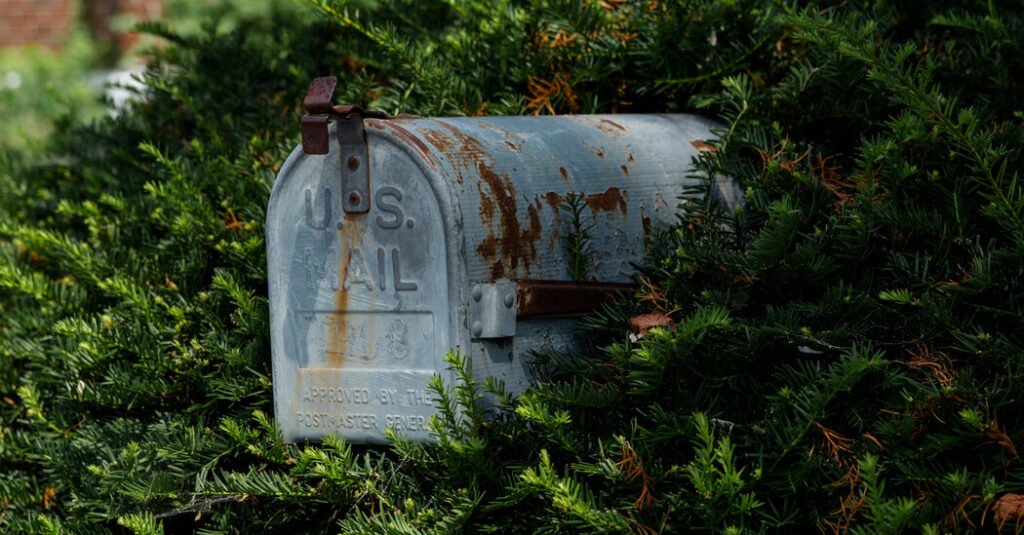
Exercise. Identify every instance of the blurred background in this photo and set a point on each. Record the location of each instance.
(73, 60)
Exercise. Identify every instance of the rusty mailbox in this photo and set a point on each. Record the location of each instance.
(392, 241)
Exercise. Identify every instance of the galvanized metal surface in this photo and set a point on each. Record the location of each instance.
(365, 305)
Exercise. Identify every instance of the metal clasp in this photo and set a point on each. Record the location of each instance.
(492, 310)
(355, 161)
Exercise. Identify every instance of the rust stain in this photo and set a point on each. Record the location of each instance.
(440, 141)
(488, 248)
(508, 243)
(463, 150)
(610, 200)
(407, 137)
(512, 146)
(611, 127)
(512, 243)
(444, 146)
(700, 145)
(625, 170)
(337, 333)
(471, 148)
(497, 270)
(487, 205)
(532, 234)
(553, 200)
(614, 124)
(484, 125)
(630, 158)
(599, 153)
(565, 174)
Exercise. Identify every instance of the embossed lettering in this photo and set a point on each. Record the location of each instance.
(400, 285)
(357, 342)
(316, 268)
(418, 397)
(359, 396)
(405, 422)
(396, 342)
(382, 269)
(387, 396)
(336, 421)
(358, 272)
(392, 209)
(311, 221)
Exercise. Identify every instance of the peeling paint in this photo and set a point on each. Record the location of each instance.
(511, 243)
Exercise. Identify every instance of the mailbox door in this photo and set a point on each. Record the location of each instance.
(360, 312)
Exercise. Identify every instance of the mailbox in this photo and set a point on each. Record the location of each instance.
(391, 241)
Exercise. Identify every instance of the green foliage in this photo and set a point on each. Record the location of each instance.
(43, 90)
(191, 17)
(578, 241)
(844, 354)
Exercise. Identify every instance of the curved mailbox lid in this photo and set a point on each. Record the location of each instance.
(509, 175)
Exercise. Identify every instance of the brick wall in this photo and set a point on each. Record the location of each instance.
(44, 22)
(47, 22)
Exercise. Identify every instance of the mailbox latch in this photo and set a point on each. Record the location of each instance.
(492, 310)
(355, 161)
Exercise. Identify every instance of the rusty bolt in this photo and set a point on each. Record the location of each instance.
(354, 198)
(478, 293)
(353, 162)
(478, 328)
(509, 300)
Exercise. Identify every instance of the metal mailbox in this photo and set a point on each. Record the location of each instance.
(391, 241)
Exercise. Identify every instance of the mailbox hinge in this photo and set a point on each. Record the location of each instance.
(355, 161)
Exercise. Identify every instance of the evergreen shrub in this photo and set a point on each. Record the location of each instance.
(844, 355)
